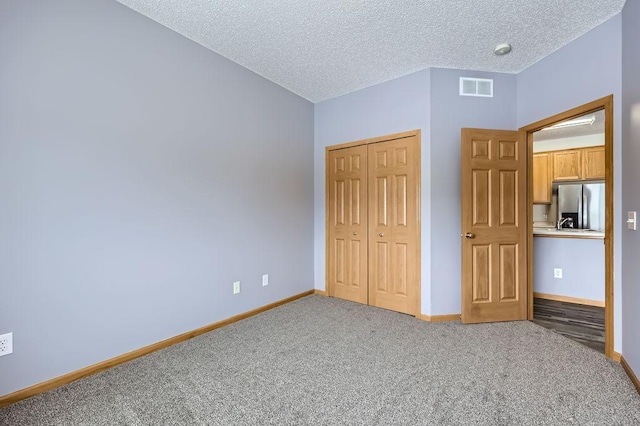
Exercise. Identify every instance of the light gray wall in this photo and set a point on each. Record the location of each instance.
(582, 264)
(428, 100)
(392, 107)
(140, 175)
(630, 113)
(586, 69)
(449, 113)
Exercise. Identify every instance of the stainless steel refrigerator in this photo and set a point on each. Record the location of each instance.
(581, 205)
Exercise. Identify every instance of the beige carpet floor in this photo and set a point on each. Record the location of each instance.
(324, 361)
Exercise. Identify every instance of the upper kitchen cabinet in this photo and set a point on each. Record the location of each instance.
(593, 163)
(542, 177)
(567, 165)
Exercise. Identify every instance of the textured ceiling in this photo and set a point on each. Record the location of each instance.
(321, 49)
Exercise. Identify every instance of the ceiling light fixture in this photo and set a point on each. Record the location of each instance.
(575, 122)
(502, 49)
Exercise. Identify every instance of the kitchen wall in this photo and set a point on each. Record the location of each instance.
(582, 264)
(630, 113)
(395, 106)
(141, 174)
(586, 69)
(543, 213)
(568, 143)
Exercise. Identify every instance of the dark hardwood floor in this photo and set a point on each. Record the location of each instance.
(582, 323)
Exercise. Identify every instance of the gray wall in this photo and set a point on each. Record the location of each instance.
(392, 107)
(427, 100)
(449, 113)
(582, 263)
(140, 175)
(630, 113)
(586, 69)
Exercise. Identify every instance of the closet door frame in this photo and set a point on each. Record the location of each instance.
(417, 134)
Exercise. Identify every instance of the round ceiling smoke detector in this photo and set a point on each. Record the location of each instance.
(502, 49)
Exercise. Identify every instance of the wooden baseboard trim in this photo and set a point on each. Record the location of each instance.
(439, 318)
(616, 356)
(568, 299)
(630, 373)
(320, 292)
(121, 359)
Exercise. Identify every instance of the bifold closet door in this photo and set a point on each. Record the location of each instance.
(347, 202)
(393, 178)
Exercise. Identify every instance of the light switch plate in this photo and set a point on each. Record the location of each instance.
(632, 223)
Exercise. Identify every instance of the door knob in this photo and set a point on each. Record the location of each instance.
(470, 235)
(355, 233)
(381, 235)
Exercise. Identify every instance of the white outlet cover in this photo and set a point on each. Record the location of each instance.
(265, 280)
(557, 272)
(236, 287)
(6, 344)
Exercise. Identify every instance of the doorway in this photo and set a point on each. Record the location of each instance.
(570, 167)
(568, 228)
(483, 286)
(373, 222)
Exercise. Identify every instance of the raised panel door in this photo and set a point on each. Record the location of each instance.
(347, 224)
(393, 224)
(493, 226)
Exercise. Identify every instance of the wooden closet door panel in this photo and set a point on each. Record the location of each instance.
(393, 224)
(348, 242)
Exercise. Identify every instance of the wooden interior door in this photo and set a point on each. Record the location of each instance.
(394, 168)
(347, 223)
(494, 206)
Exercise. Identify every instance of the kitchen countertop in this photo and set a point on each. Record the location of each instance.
(550, 231)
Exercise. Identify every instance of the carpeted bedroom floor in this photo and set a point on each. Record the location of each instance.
(326, 361)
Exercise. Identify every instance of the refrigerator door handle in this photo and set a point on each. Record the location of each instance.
(580, 210)
(585, 212)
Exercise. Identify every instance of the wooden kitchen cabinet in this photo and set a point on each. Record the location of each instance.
(593, 163)
(542, 177)
(567, 165)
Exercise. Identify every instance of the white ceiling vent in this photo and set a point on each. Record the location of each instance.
(476, 87)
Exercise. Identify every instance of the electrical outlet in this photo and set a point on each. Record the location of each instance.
(6, 344)
(557, 272)
(265, 280)
(236, 287)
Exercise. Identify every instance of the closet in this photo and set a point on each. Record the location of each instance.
(373, 222)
